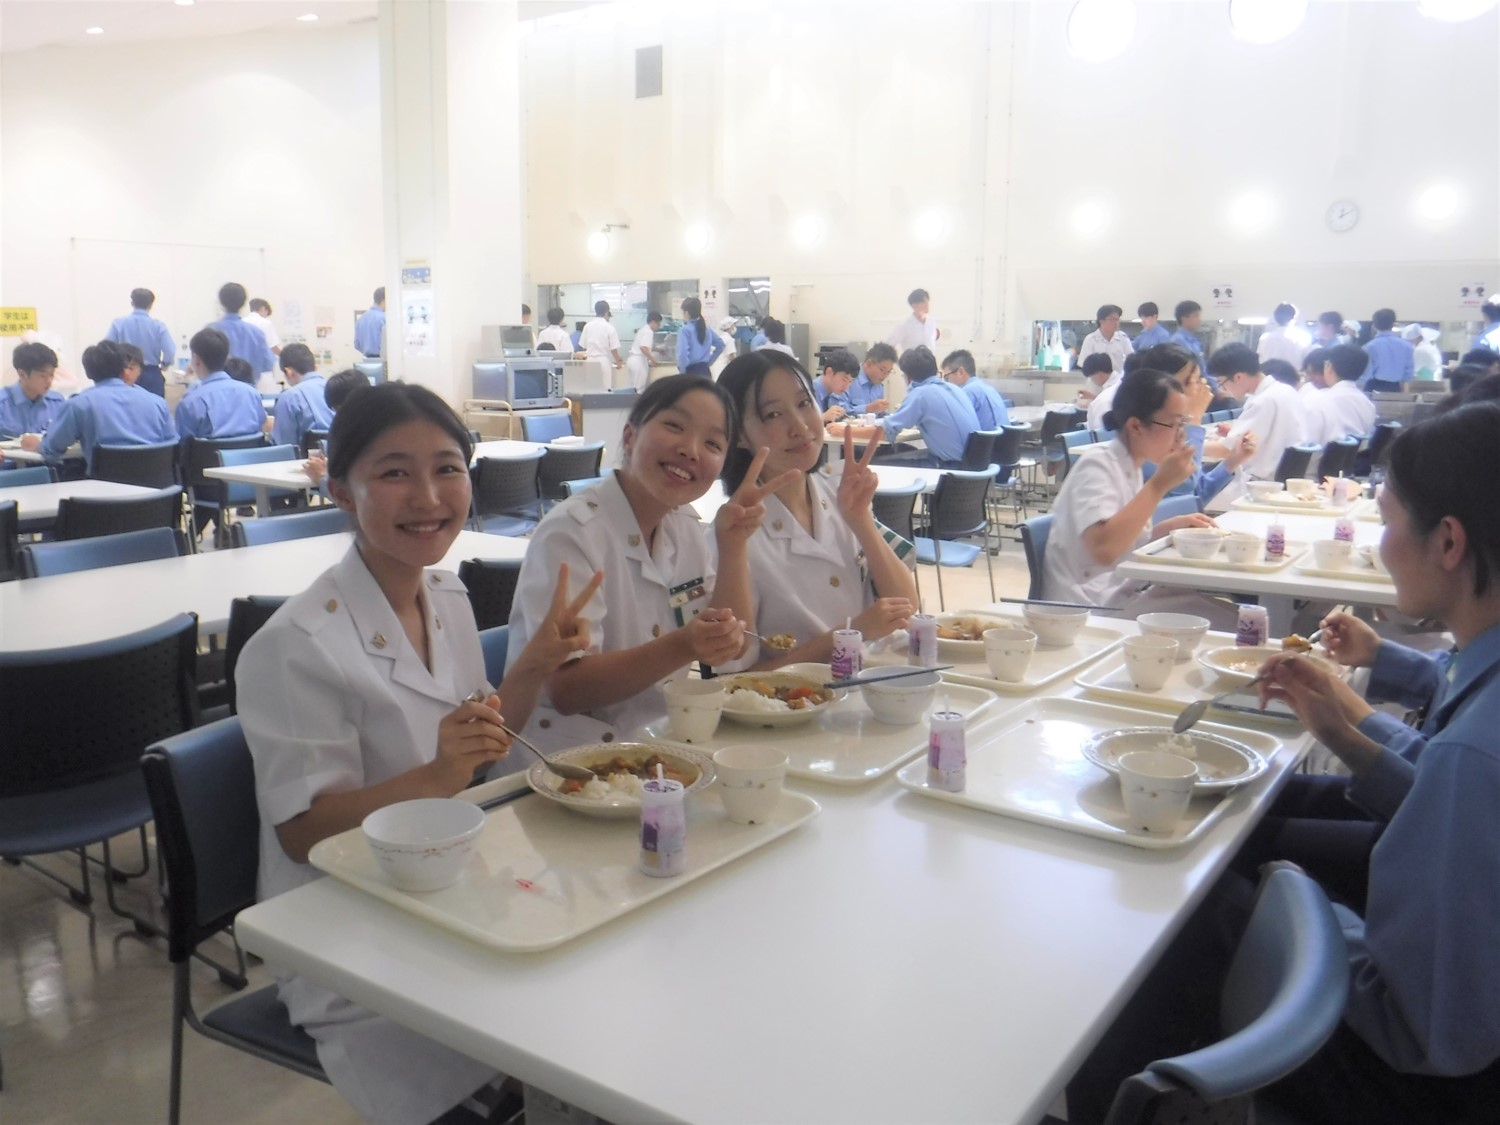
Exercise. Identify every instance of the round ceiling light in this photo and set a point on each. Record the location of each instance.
(1252, 212)
(1089, 218)
(1265, 21)
(1438, 203)
(808, 231)
(598, 244)
(698, 238)
(1100, 29)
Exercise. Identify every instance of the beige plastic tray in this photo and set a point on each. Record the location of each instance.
(1357, 571)
(1162, 551)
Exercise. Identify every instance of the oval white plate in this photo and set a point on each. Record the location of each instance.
(970, 651)
(1222, 762)
(1226, 662)
(817, 674)
(545, 782)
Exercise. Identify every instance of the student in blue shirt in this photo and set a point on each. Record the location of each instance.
(940, 410)
(302, 406)
(150, 335)
(111, 412)
(1189, 316)
(839, 370)
(1390, 356)
(698, 345)
(217, 406)
(369, 329)
(245, 339)
(867, 394)
(989, 407)
(1151, 332)
(29, 405)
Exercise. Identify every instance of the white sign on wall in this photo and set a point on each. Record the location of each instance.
(418, 337)
(1223, 296)
(1473, 295)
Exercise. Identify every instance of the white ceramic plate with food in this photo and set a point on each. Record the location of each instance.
(1239, 664)
(621, 766)
(1222, 762)
(964, 631)
(786, 697)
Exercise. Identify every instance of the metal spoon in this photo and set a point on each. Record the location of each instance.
(562, 769)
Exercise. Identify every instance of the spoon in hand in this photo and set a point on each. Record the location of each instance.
(562, 769)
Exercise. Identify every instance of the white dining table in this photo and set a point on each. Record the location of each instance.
(266, 476)
(890, 476)
(506, 448)
(36, 504)
(896, 960)
(91, 605)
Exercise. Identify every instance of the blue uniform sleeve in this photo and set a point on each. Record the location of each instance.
(287, 428)
(1405, 676)
(716, 346)
(63, 432)
(187, 416)
(909, 413)
(114, 332)
(682, 347)
(10, 417)
(165, 431)
(164, 342)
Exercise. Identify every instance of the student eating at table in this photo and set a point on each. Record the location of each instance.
(819, 559)
(358, 694)
(1180, 364)
(666, 600)
(303, 405)
(939, 410)
(29, 405)
(217, 406)
(112, 412)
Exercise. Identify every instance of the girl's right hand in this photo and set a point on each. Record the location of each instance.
(715, 636)
(469, 737)
(884, 617)
(1349, 640)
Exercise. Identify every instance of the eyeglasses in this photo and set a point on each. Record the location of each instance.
(1180, 425)
(948, 374)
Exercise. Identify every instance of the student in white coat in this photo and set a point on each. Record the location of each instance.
(1342, 410)
(819, 558)
(665, 601)
(599, 342)
(355, 696)
(638, 363)
(1273, 412)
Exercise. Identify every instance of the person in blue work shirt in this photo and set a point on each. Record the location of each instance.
(217, 406)
(1391, 357)
(245, 340)
(989, 407)
(369, 329)
(1151, 332)
(839, 369)
(1189, 316)
(940, 410)
(112, 412)
(30, 405)
(140, 328)
(302, 406)
(698, 345)
(868, 393)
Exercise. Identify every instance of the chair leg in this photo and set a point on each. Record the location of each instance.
(81, 896)
(180, 985)
(989, 563)
(937, 553)
(143, 926)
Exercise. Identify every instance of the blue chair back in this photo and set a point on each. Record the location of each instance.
(1034, 533)
(1007, 450)
(574, 487)
(563, 463)
(296, 525)
(246, 616)
(491, 584)
(36, 474)
(1174, 506)
(236, 493)
(495, 643)
(1073, 443)
(895, 507)
(545, 427)
(10, 557)
(43, 560)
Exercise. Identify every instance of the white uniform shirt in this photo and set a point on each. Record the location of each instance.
(1102, 481)
(1290, 343)
(648, 591)
(267, 329)
(912, 333)
(1426, 357)
(1117, 347)
(600, 340)
(1341, 411)
(636, 363)
(557, 336)
(334, 698)
(1277, 416)
(1102, 401)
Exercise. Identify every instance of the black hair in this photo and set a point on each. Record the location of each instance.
(1097, 362)
(380, 295)
(1480, 357)
(142, 298)
(1107, 311)
(881, 353)
(232, 296)
(555, 315)
(742, 381)
(842, 360)
(1334, 320)
(1486, 389)
(1170, 358)
(1140, 396)
(298, 357)
(1133, 361)
(917, 296)
(525, 309)
(1349, 362)
(1315, 359)
(665, 393)
(103, 360)
(548, 347)
(917, 364)
(260, 305)
(1148, 308)
(341, 385)
(133, 354)
(363, 417)
(211, 346)
(1383, 320)
(1464, 376)
(1440, 468)
(1490, 310)
(601, 308)
(775, 331)
(1185, 308)
(1281, 371)
(239, 370)
(962, 357)
(33, 357)
(692, 309)
(1232, 360)
(1284, 314)
(653, 317)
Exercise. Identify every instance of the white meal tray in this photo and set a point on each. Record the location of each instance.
(1189, 682)
(845, 745)
(1367, 509)
(1322, 507)
(1162, 551)
(542, 875)
(1048, 664)
(1030, 765)
(1358, 570)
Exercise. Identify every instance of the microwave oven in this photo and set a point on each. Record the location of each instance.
(529, 383)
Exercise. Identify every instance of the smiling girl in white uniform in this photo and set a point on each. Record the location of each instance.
(819, 558)
(354, 696)
(664, 602)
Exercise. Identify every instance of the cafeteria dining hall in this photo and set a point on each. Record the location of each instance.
(847, 562)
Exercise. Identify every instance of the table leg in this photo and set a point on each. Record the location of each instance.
(262, 500)
(1281, 609)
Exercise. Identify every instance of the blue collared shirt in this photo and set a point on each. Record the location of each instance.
(989, 405)
(113, 412)
(369, 330)
(299, 409)
(757, 341)
(1201, 485)
(942, 412)
(1150, 337)
(246, 341)
(860, 394)
(821, 393)
(21, 415)
(147, 333)
(691, 350)
(220, 407)
(1390, 359)
(1424, 981)
(1190, 341)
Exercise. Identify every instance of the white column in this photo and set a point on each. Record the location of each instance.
(451, 146)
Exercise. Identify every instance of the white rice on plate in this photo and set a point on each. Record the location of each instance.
(609, 787)
(746, 699)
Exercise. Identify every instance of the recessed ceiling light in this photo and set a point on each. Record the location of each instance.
(1252, 212)
(1089, 218)
(598, 244)
(1266, 21)
(1438, 203)
(94, 31)
(309, 18)
(1100, 29)
(698, 237)
(183, 3)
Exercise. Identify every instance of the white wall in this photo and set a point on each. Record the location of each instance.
(262, 140)
(869, 113)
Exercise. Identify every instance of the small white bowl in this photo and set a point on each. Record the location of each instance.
(1302, 486)
(1198, 542)
(1264, 489)
(1332, 554)
(422, 845)
(1242, 547)
(1055, 627)
(902, 702)
(1184, 628)
(1372, 556)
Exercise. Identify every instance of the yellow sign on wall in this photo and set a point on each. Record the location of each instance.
(15, 321)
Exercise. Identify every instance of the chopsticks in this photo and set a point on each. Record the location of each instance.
(1061, 605)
